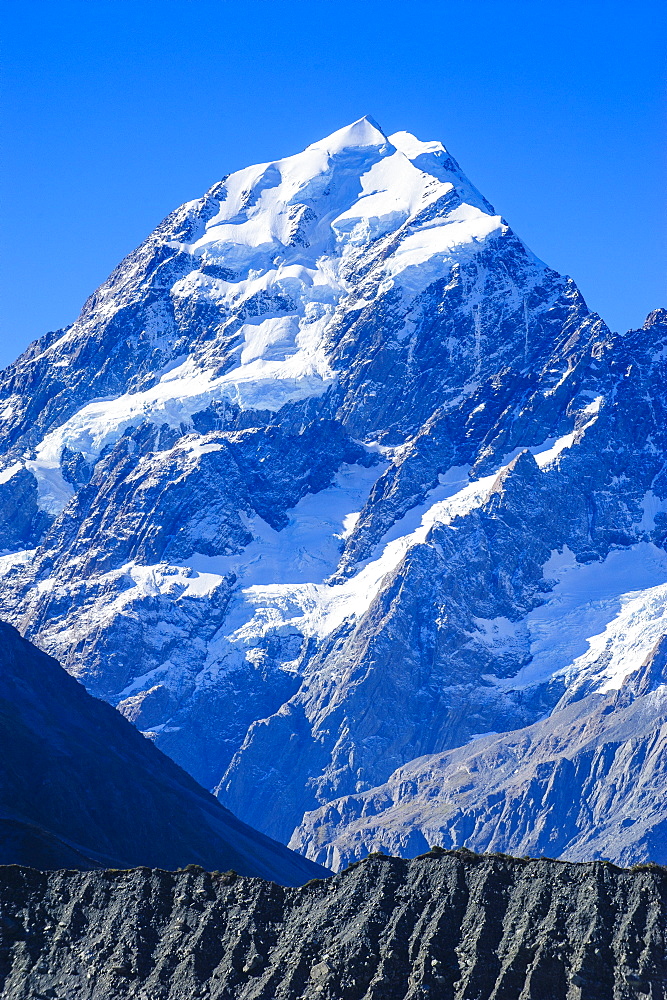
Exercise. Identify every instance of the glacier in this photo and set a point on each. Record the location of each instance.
(333, 478)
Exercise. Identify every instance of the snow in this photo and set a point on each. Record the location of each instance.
(548, 456)
(10, 472)
(308, 548)
(8, 407)
(651, 505)
(282, 574)
(545, 454)
(364, 132)
(434, 245)
(412, 147)
(295, 597)
(181, 392)
(339, 195)
(592, 607)
(316, 609)
(433, 159)
(626, 641)
(172, 580)
(10, 559)
(391, 191)
(53, 490)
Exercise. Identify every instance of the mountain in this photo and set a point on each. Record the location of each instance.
(446, 925)
(81, 788)
(587, 781)
(333, 475)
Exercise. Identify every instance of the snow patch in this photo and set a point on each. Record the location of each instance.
(593, 606)
(317, 610)
(53, 490)
(10, 472)
(651, 505)
(180, 394)
(427, 254)
(10, 559)
(308, 548)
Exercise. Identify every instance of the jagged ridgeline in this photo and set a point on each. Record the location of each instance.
(350, 502)
(452, 926)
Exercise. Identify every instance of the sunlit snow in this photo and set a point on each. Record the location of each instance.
(348, 190)
(591, 607)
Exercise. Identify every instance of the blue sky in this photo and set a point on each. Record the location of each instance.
(116, 111)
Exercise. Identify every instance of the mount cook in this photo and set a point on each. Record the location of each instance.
(351, 504)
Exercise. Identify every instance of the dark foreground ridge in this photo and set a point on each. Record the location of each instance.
(449, 925)
(81, 788)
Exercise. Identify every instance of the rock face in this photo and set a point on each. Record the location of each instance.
(81, 788)
(331, 474)
(588, 781)
(452, 926)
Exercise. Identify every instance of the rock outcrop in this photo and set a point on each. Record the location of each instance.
(586, 782)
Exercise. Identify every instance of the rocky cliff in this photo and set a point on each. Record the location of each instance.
(447, 925)
(588, 781)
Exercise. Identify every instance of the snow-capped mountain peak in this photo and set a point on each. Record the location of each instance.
(297, 489)
(364, 132)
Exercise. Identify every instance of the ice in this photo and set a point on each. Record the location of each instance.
(298, 599)
(10, 559)
(651, 505)
(182, 392)
(549, 455)
(308, 548)
(412, 147)
(626, 641)
(592, 606)
(545, 454)
(10, 472)
(585, 599)
(391, 191)
(163, 579)
(317, 609)
(463, 225)
(351, 188)
(364, 132)
(53, 490)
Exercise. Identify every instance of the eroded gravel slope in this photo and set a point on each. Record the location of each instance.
(446, 925)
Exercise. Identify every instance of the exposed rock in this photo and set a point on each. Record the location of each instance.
(587, 782)
(447, 925)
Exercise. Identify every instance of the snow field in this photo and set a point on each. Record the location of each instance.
(369, 185)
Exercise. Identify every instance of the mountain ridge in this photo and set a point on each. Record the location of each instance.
(450, 924)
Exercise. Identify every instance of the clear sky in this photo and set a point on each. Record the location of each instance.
(116, 111)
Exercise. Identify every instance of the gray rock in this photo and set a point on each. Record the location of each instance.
(448, 925)
(584, 783)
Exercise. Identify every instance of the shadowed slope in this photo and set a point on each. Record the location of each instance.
(81, 788)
